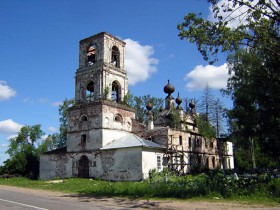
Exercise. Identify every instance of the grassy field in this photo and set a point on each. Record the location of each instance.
(196, 188)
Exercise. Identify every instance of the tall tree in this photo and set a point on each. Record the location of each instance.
(254, 59)
(61, 137)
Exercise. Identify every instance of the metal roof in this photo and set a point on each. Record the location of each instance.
(131, 140)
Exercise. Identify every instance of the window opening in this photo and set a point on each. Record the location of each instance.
(207, 162)
(83, 138)
(180, 140)
(190, 142)
(84, 118)
(115, 92)
(211, 144)
(118, 118)
(116, 57)
(213, 162)
(159, 162)
(91, 55)
(90, 91)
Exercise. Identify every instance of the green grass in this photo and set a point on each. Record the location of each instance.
(192, 188)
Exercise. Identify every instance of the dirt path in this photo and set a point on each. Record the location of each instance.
(140, 204)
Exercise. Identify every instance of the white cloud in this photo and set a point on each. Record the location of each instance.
(52, 129)
(138, 61)
(9, 126)
(56, 103)
(5, 91)
(215, 76)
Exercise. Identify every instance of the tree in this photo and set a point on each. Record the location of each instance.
(24, 154)
(61, 137)
(257, 27)
(204, 127)
(255, 115)
(140, 107)
(253, 56)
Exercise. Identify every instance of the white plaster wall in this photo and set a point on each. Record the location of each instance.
(55, 166)
(149, 161)
(108, 118)
(93, 141)
(122, 164)
(109, 135)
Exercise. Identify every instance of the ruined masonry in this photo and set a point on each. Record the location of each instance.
(105, 141)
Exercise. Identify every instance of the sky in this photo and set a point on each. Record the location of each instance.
(39, 54)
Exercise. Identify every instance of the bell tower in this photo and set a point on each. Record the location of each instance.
(99, 115)
(101, 73)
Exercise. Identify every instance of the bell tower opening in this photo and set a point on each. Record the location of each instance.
(91, 55)
(90, 91)
(116, 92)
(116, 57)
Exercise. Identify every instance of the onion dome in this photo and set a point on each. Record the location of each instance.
(168, 88)
(149, 106)
(191, 104)
(178, 100)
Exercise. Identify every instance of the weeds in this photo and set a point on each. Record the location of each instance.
(166, 185)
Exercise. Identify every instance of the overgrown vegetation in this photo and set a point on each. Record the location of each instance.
(248, 33)
(167, 185)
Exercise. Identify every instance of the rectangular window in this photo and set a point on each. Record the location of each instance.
(83, 138)
(190, 142)
(180, 140)
(211, 144)
(158, 162)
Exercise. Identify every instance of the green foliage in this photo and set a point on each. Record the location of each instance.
(204, 127)
(259, 28)
(254, 59)
(167, 185)
(106, 92)
(128, 99)
(175, 118)
(140, 107)
(24, 155)
(63, 112)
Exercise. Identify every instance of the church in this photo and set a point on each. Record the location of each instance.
(104, 139)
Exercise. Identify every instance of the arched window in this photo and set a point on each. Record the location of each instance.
(91, 55)
(115, 57)
(83, 118)
(118, 118)
(116, 90)
(90, 91)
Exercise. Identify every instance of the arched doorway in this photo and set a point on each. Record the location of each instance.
(83, 169)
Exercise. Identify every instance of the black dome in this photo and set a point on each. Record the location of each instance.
(168, 88)
(149, 106)
(178, 100)
(191, 104)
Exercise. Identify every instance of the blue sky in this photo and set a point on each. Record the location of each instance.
(39, 54)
